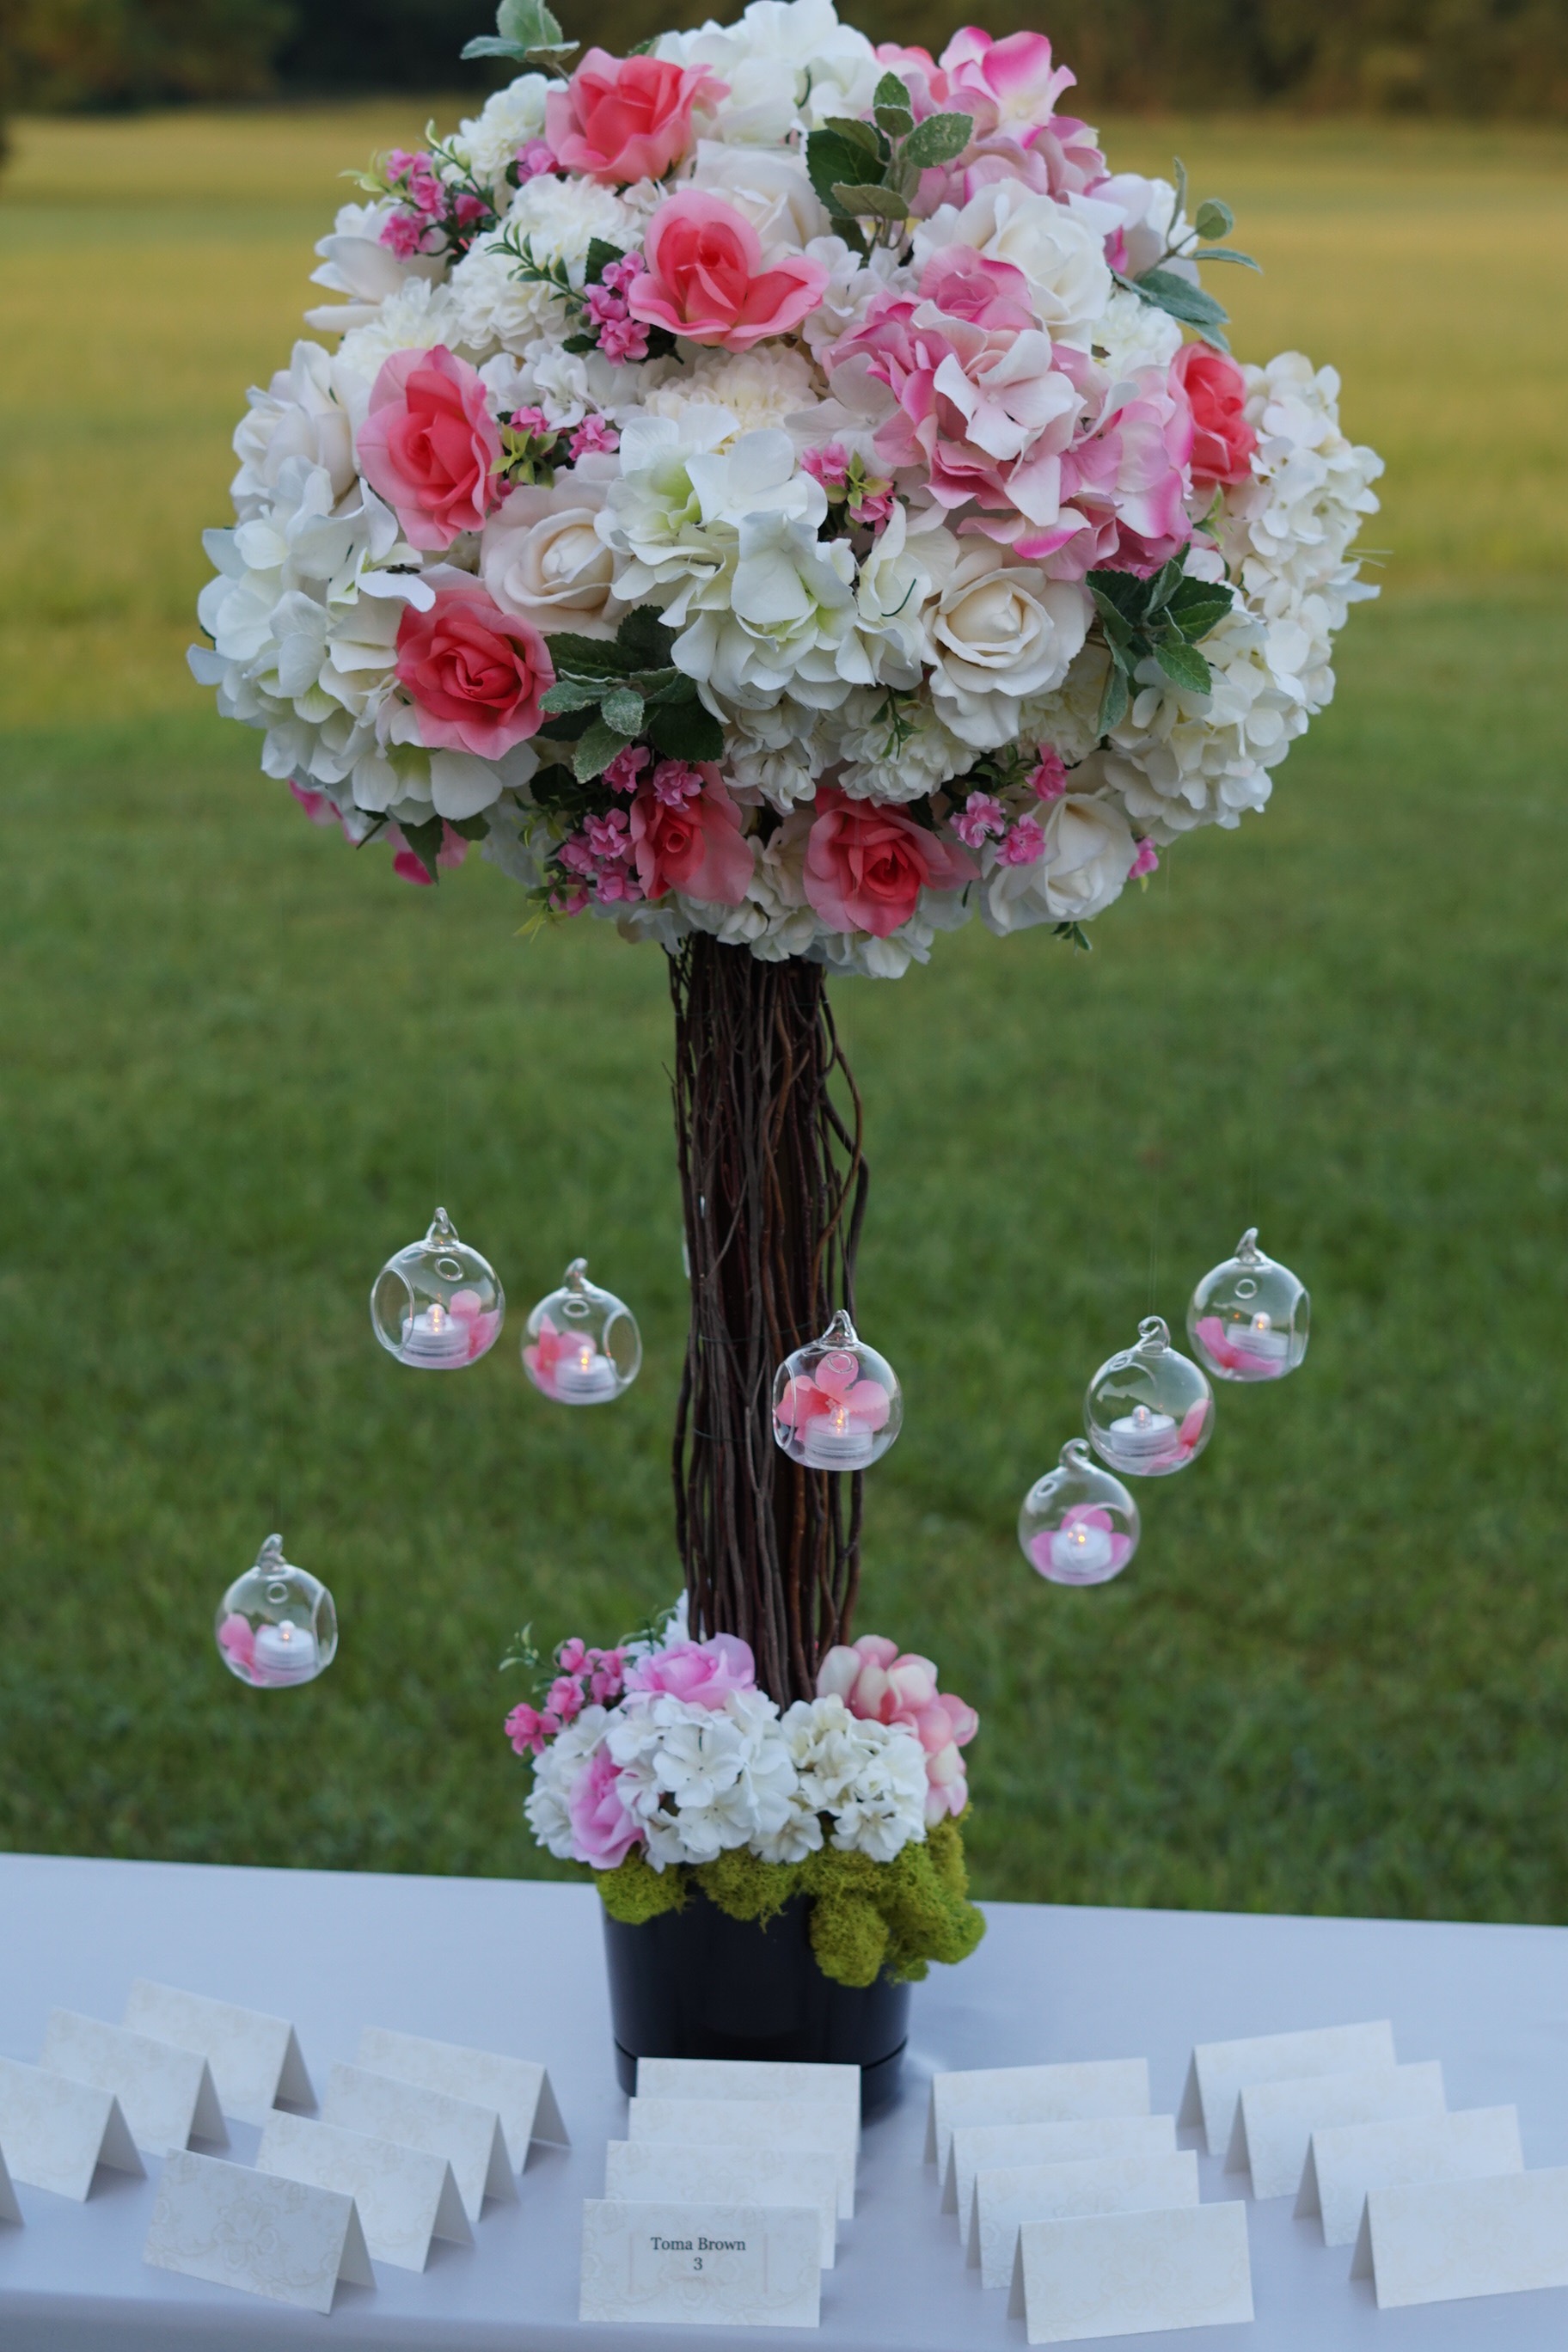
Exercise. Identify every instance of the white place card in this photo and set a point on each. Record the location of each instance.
(656, 2171)
(255, 2059)
(1219, 2070)
(165, 2094)
(1132, 2273)
(236, 2228)
(9, 2209)
(469, 2136)
(1034, 2095)
(754, 2124)
(1275, 2121)
(973, 2145)
(403, 2196)
(516, 2088)
(696, 2265)
(1440, 2240)
(748, 2078)
(1347, 2160)
(57, 2131)
(1005, 2200)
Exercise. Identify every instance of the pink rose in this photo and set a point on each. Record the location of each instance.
(429, 445)
(703, 1674)
(695, 845)
(705, 277)
(1215, 390)
(475, 672)
(1009, 85)
(603, 1831)
(624, 119)
(865, 865)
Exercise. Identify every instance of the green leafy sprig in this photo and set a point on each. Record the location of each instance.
(1162, 290)
(528, 32)
(1160, 619)
(869, 171)
(610, 693)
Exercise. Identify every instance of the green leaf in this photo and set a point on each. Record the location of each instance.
(686, 731)
(1180, 170)
(486, 45)
(424, 841)
(601, 253)
(1180, 299)
(644, 635)
(596, 747)
(1076, 937)
(554, 787)
(1165, 584)
(1184, 664)
(1228, 253)
(829, 158)
(1214, 219)
(891, 91)
(472, 828)
(882, 203)
(1123, 591)
(622, 709)
(849, 128)
(576, 656)
(529, 24)
(570, 694)
(1113, 702)
(938, 138)
(1198, 607)
(896, 120)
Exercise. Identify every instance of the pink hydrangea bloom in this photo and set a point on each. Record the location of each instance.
(602, 1831)
(1009, 85)
(703, 1674)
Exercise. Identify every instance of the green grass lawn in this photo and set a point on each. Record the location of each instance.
(241, 1066)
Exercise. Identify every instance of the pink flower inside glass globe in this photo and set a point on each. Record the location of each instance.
(1249, 1318)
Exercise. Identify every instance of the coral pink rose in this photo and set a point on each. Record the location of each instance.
(603, 1831)
(703, 1674)
(1009, 85)
(624, 119)
(695, 845)
(706, 278)
(1215, 390)
(475, 672)
(429, 445)
(865, 865)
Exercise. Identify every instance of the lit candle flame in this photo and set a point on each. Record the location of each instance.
(438, 1316)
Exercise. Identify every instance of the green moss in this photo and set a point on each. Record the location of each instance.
(866, 1916)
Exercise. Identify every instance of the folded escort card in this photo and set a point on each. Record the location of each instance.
(973, 2145)
(234, 2228)
(1034, 2095)
(57, 2131)
(165, 2094)
(695, 2266)
(469, 2136)
(1275, 2121)
(643, 2171)
(1439, 2241)
(748, 2078)
(516, 2088)
(1005, 2200)
(1346, 2161)
(403, 2196)
(754, 2124)
(1219, 2070)
(255, 2059)
(1132, 2273)
(9, 2209)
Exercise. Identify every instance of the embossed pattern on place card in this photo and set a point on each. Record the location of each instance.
(57, 2131)
(9, 2209)
(700, 2265)
(973, 2145)
(404, 2195)
(640, 2171)
(236, 2228)
(1275, 2121)
(748, 2078)
(1346, 2161)
(255, 2059)
(752, 2123)
(1005, 2200)
(165, 2094)
(1134, 2274)
(1034, 2095)
(469, 2136)
(516, 2088)
(1219, 2070)
(1445, 2241)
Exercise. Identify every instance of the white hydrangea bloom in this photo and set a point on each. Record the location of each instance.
(779, 752)
(786, 623)
(701, 1781)
(893, 764)
(853, 284)
(656, 520)
(1203, 759)
(556, 1774)
(1068, 718)
(414, 319)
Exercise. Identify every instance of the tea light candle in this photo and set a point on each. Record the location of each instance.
(1141, 1436)
(831, 1441)
(583, 1376)
(1257, 1336)
(435, 1337)
(284, 1653)
(1081, 1550)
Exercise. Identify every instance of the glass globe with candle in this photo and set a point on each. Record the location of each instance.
(1248, 1318)
(837, 1404)
(1078, 1525)
(582, 1345)
(1149, 1409)
(276, 1625)
(437, 1304)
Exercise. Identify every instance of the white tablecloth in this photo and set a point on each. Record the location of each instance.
(517, 1967)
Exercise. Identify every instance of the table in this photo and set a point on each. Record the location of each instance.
(516, 1967)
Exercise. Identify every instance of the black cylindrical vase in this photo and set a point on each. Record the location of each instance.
(695, 1983)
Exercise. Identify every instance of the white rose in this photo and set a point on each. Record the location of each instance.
(541, 558)
(303, 413)
(1088, 850)
(769, 186)
(1001, 631)
(1061, 254)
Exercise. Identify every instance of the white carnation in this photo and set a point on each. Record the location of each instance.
(901, 756)
(414, 319)
(560, 218)
(508, 121)
(757, 389)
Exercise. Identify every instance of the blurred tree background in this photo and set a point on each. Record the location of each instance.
(1474, 58)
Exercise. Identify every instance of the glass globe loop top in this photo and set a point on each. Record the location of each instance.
(837, 1404)
(437, 1304)
(1249, 1318)
(582, 1345)
(1078, 1525)
(1149, 1411)
(277, 1624)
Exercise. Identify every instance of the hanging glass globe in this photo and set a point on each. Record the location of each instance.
(1149, 1411)
(276, 1624)
(837, 1404)
(1077, 1524)
(1248, 1318)
(437, 1303)
(582, 1345)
